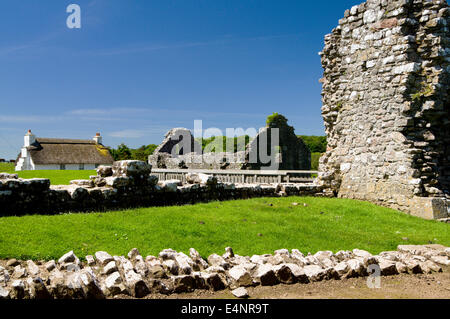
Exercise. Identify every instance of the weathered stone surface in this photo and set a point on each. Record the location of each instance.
(185, 263)
(91, 286)
(135, 277)
(32, 268)
(385, 107)
(132, 254)
(110, 268)
(198, 260)
(342, 268)
(82, 182)
(240, 293)
(8, 176)
(68, 258)
(104, 171)
(240, 276)
(133, 281)
(200, 178)
(114, 285)
(171, 266)
(103, 257)
(361, 253)
(90, 260)
(4, 293)
(214, 280)
(50, 265)
(18, 290)
(20, 272)
(4, 276)
(265, 275)
(12, 263)
(314, 272)
(38, 290)
(131, 168)
(442, 260)
(284, 274)
(356, 268)
(228, 253)
(216, 260)
(387, 267)
(183, 283)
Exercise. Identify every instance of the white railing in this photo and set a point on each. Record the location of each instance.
(240, 176)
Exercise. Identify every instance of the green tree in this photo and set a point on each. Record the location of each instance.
(123, 152)
(316, 144)
(276, 120)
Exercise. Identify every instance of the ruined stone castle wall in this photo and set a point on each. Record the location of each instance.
(128, 184)
(386, 105)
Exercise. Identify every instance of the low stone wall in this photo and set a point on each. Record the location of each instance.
(105, 276)
(126, 184)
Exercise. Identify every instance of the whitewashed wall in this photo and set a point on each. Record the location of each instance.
(69, 167)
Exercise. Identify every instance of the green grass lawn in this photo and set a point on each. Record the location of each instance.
(6, 168)
(56, 177)
(325, 224)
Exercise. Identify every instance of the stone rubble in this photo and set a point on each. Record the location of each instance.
(175, 272)
(127, 184)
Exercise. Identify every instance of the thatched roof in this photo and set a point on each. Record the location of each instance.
(68, 151)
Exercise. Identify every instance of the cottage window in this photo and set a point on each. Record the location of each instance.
(81, 167)
(62, 167)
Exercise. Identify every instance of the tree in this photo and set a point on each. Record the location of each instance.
(276, 120)
(316, 144)
(123, 152)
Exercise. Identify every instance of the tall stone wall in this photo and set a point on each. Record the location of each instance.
(386, 105)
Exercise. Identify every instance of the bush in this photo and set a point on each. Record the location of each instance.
(316, 144)
(123, 152)
(276, 120)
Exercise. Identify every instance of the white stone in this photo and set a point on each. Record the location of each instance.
(69, 257)
(240, 292)
(113, 279)
(110, 268)
(342, 268)
(33, 269)
(103, 257)
(90, 260)
(240, 276)
(370, 16)
(361, 253)
(314, 272)
(50, 265)
(442, 260)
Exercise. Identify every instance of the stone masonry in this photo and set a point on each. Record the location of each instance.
(128, 184)
(103, 276)
(386, 106)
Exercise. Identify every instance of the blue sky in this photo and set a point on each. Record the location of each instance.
(138, 68)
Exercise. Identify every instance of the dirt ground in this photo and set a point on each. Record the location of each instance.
(421, 286)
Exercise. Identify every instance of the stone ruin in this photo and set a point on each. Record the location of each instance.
(386, 106)
(128, 184)
(293, 153)
(103, 276)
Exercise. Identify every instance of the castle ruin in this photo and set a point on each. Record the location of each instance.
(386, 106)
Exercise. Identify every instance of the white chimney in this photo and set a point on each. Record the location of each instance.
(97, 138)
(29, 139)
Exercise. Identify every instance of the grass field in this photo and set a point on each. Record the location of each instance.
(249, 226)
(56, 177)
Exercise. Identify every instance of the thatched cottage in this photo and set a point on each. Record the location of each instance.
(62, 154)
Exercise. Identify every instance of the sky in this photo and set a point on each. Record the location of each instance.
(136, 68)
